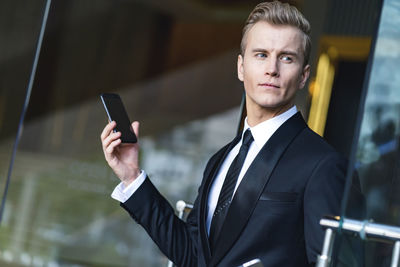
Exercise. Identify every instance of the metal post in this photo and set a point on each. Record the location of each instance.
(395, 255)
(325, 258)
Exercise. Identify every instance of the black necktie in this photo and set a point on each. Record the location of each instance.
(225, 196)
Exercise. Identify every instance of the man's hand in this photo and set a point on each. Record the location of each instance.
(122, 158)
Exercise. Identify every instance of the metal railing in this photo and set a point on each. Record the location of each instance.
(365, 230)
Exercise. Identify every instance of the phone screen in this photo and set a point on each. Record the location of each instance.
(116, 112)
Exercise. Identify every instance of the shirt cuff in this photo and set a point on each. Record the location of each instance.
(122, 193)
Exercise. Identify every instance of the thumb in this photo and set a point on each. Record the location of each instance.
(135, 126)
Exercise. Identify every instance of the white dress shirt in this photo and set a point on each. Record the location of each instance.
(261, 134)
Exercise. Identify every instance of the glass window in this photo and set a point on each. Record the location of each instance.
(377, 150)
(176, 74)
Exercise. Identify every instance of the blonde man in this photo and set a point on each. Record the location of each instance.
(263, 194)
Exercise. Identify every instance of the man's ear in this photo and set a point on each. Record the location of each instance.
(304, 76)
(240, 68)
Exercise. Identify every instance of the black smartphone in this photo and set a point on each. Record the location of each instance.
(116, 112)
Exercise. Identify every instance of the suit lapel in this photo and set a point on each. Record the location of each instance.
(210, 173)
(253, 184)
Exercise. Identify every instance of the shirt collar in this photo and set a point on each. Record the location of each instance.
(264, 130)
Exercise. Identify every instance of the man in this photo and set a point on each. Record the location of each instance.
(262, 195)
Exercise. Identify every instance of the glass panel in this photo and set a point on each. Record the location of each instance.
(377, 153)
(182, 87)
(20, 23)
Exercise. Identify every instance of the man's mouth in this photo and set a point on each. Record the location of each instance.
(269, 85)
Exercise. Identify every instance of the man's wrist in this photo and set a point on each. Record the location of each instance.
(136, 173)
(123, 193)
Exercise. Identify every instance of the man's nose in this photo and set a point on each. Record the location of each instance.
(271, 67)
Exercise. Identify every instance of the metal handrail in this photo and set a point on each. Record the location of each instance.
(365, 230)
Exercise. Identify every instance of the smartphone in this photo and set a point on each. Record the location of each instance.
(116, 112)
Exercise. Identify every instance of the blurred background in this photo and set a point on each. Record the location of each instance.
(174, 64)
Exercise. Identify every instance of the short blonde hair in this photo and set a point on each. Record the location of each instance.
(278, 13)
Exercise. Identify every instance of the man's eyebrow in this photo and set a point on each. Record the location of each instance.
(284, 52)
(288, 52)
(258, 50)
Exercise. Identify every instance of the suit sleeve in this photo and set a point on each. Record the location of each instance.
(175, 238)
(322, 196)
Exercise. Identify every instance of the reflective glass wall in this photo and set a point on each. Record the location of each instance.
(377, 151)
(174, 66)
(20, 23)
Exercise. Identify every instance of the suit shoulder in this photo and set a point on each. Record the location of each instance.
(313, 143)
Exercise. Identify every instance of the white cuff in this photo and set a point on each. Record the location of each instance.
(122, 193)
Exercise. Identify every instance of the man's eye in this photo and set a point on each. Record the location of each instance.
(261, 55)
(286, 58)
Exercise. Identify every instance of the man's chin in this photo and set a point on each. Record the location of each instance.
(276, 107)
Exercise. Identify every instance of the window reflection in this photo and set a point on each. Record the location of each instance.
(59, 211)
(377, 154)
(378, 147)
(60, 207)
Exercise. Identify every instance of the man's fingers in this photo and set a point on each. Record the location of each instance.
(109, 139)
(110, 148)
(107, 130)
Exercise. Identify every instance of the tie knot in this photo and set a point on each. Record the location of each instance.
(247, 138)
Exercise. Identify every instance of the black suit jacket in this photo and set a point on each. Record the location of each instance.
(295, 180)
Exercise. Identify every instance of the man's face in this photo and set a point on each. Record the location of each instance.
(272, 68)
